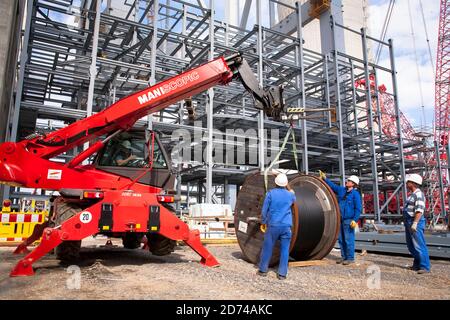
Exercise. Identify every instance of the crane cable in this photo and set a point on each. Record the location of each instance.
(428, 39)
(384, 29)
(423, 124)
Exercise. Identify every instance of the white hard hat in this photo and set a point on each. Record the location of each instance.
(414, 178)
(281, 180)
(126, 144)
(354, 179)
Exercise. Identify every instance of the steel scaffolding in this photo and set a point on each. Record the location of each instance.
(69, 70)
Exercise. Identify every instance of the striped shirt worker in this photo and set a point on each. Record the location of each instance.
(415, 203)
(415, 223)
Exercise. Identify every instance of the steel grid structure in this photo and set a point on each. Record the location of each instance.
(154, 40)
(440, 173)
(442, 117)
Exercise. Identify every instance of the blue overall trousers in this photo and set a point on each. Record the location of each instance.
(274, 233)
(416, 242)
(347, 240)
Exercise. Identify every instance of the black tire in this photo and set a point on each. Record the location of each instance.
(132, 240)
(160, 245)
(67, 251)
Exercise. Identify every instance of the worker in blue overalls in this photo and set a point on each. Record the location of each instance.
(277, 223)
(350, 205)
(414, 220)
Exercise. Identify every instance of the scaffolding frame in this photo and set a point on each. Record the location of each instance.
(61, 69)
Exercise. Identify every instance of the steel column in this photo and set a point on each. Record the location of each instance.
(18, 96)
(397, 117)
(441, 183)
(226, 193)
(333, 40)
(183, 32)
(373, 155)
(261, 142)
(300, 81)
(272, 13)
(93, 66)
(245, 12)
(338, 103)
(152, 80)
(23, 61)
(355, 111)
(209, 112)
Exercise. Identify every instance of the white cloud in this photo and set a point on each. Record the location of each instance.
(400, 31)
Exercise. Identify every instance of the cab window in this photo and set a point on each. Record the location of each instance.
(131, 150)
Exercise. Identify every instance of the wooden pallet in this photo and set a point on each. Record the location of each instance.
(309, 263)
(223, 241)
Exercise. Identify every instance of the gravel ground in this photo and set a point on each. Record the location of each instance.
(118, 273)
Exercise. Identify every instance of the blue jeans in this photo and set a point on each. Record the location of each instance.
(347, 240)
(284, 234)
(416, 244)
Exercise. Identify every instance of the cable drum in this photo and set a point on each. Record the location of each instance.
(316, 218)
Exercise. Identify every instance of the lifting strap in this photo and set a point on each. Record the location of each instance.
(283, 146)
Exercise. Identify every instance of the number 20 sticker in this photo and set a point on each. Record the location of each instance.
(85, 217)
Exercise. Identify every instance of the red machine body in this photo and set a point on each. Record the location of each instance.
(26, 163)
(122, 205)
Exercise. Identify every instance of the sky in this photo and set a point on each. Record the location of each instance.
(405, 60)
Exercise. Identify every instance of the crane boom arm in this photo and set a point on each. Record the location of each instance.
(124, 113)
(27, 162)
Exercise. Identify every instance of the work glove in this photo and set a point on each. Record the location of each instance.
(263, 227)
(414, 227)
(322, 175)
(353, 224)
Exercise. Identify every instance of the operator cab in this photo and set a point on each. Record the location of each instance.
(132, 152)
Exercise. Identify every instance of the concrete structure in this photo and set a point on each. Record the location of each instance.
(10, 24)
(355, 16)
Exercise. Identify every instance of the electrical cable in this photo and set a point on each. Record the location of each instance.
(384, 29)
(428, 39)
(423, 120)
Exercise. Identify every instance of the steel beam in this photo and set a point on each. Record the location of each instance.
(289, 24)
(245, 13)
(210, 112)
(438, 244)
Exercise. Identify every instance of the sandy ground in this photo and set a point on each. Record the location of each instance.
(118, 273)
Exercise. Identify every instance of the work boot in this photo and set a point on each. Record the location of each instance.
(412, 268)
(347, 262)
(262, 274)
(423, 271)
(280, 277)
(339, 261)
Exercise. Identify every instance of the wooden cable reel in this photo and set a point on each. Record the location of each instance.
(316, 218)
